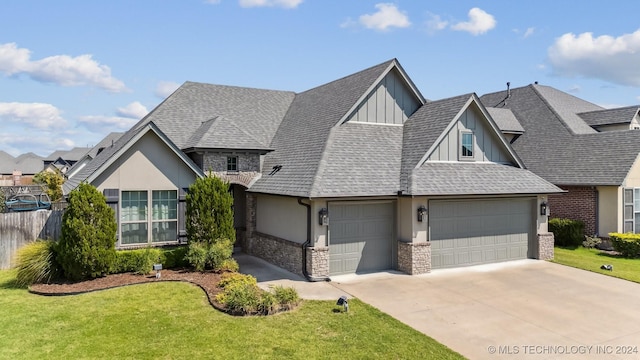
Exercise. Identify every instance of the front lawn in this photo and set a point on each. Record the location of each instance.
(592, 259)
(173, 320)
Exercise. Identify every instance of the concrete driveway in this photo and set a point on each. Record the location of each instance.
(526, 309)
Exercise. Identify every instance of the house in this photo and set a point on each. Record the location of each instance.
(62, 160)
(89, 155)
(20, 170)
(357, 175)
(589, 151)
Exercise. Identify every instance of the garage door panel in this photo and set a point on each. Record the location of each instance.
(470, 232)
(360, 237)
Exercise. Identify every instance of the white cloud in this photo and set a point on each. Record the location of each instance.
(529, 32)
(614, 59)
(105, 124)
(39, 115)
(638, 98)
(574, 89)
(435, 23)
(287, 4)
(212, 2)
(479, 22)
(135, 110)
(59, 69)
(165, 88)
(386, 17)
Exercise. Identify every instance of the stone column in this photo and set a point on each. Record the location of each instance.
(318, 261)
(545, 246)
(250, 213)
(414, 258)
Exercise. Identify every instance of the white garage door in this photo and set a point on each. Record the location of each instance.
(360, 237)
(471, 232)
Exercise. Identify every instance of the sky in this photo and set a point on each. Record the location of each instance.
(72, 71)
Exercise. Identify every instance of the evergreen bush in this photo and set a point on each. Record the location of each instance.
(209, 213)
(567, 232)
(628, 245)
(87, 244)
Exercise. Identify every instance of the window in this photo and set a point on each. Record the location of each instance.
(631, 210)
(135, 220)
(466, 144)
(232, 163)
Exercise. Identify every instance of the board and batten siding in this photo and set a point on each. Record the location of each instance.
(391, 102)
(487, 145)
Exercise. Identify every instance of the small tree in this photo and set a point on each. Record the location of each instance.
(87, 243)
(209, 211)
(53, 180)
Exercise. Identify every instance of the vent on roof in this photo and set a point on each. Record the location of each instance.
(275, 169)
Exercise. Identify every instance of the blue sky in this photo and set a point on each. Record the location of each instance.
(73, 71)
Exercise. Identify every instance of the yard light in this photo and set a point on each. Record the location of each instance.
(157, 268)
(422, 212)
(323, 217)
(544, 209)
(343, 302)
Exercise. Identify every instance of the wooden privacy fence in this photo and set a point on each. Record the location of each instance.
(20, 228)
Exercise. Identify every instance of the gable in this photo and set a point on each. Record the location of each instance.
(487, 146)
(147, 164)
(391, 102)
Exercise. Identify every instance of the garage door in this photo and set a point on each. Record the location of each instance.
(360, 237)
(475, 232)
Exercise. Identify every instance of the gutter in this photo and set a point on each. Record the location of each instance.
(306, 244)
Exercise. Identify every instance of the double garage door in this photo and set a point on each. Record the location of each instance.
(473, 232)
(360, 237)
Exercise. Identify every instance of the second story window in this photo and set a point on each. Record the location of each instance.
(466, 145)
(232, 163)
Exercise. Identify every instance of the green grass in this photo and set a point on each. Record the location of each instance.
(173, 320)
(592, 259)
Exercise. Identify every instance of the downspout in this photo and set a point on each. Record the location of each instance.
(597, 224)
(306, 244)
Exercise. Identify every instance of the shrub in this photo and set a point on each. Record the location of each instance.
(209, 213)
(139, 261)
(287, 297)
(197, 255)
(591, 242)
(174, 257)
(87, 243)
(567, 232)
(232, 279)
(241, 298)
(35, 263)
(218, 252)
(229, 265)
(267, 303)
(626, 244)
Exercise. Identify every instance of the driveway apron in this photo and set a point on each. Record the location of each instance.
(525, 309)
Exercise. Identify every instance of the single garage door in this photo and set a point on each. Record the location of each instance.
(360, 237)
(471, 232)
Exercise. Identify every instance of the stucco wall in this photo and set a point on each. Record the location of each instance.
(633, 177)
(579, 203)
(282, 217)
(148, 164)
(609, 209)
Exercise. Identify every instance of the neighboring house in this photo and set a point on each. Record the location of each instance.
(573, 144)
(20, 170)
(63, 160)
(109, 140)
(361, 174)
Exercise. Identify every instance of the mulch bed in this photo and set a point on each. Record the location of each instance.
(207, 281)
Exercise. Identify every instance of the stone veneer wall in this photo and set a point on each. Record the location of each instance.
(545, 246)
(579, 203)
(318, 262)
(280, 252)
(414, 258)
(217, 162)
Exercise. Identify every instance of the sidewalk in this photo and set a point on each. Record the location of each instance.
(269, 275)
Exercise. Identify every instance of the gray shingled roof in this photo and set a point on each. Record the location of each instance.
(74, 154)
(7, 163)
(360, 160)
(223, 133)
(622, 115)
(256, 111)
(104, 143)
(301, 140)
(29, 163)
(551, 150)
(505, 120)
(445, 178)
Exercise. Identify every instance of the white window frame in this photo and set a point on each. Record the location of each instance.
(461, 145)
(154, 214)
